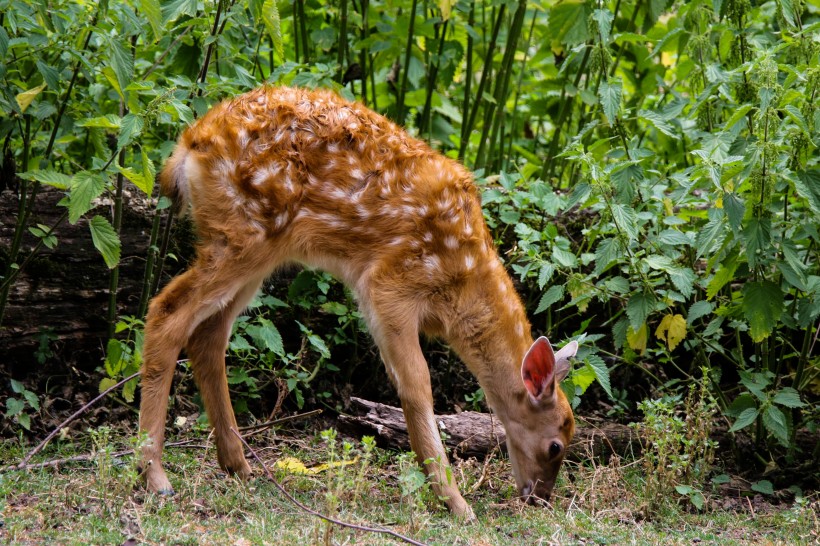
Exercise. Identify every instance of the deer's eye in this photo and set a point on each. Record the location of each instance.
(555, 449)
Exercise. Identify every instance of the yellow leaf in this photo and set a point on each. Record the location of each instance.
(637, 340)
(672, 329)
(292, 465)
(446, 7)
(295, 466)
(719, 202)
(323, 467)
(25, 98)
(667, 59)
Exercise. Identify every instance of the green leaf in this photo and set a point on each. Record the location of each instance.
(14, 407)
(598, 366)
(564, 258)
(763, 486)
(108, 121)
(683, 279)
(550, 297)
(153, 13)
(582, 378)
(121, 61)
(130, 129)
(758, 236)
(270, 14)
(762, 306)
(698, 310)
(746, 418)
(106, 383)
(712, 234)
(775, 422)
(271, 337)
(724, 275)
(177, 8)
(604, 19)
(545, 274)
(105, 240)
(807, 185)
(788, 397)
(735, 209)
(50, 75)
(85, 187)
(568, 22)
(50, 178)
(609, 92)
(626, 219)
(607, 252)
(658, 122)
(24, 420)
(737, 115)
(638, 308)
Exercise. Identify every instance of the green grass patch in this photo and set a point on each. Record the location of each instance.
(99, 501)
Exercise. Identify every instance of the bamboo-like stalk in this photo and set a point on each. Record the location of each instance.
(341, 56)
(407, 55)
(303, 31)
(468, 79)
(485, 74)
(549, 164)
(502, 82)
(504, 159)
(426, 116)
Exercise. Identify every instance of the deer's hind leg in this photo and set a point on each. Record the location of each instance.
(204, 299)
(206, 349)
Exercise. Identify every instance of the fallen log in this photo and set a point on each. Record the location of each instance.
(474, 434)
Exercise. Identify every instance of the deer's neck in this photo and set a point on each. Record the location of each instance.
(490, 332)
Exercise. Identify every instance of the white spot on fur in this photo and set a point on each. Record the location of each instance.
(432, 263)
(281, 220)
(469, 261)
(519, 329)
(451, 242)
(243, 139)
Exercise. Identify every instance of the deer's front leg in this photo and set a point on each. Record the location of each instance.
(408, 370)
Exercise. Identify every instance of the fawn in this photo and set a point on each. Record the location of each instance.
(284, 175)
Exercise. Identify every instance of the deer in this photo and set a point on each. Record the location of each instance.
(281, 176)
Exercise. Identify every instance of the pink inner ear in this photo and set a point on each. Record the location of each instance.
(538, 368)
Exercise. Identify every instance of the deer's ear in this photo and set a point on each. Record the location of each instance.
(538, 370)
(562, 360)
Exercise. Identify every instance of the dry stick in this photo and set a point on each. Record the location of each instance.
(89, 456)
(313, 512)
(255, 429)
(73, 416)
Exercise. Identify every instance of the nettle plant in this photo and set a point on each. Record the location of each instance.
(694, 177)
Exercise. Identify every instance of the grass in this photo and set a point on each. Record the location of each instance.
(97, 502)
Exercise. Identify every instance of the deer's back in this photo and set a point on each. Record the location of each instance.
(330, 179)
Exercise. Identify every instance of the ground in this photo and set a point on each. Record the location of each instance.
(100, 501)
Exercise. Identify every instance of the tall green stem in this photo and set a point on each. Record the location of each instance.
(502, 82)
(485, 74)
(408, 50)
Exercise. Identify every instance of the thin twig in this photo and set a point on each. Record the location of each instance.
(261, 427)
(73, 416)
(313, 512)
(89, 456)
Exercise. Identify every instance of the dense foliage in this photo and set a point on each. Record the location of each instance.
(649, 167)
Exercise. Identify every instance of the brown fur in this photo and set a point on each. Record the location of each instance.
(282, 175)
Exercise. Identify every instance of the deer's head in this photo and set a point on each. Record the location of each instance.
(541, 425)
